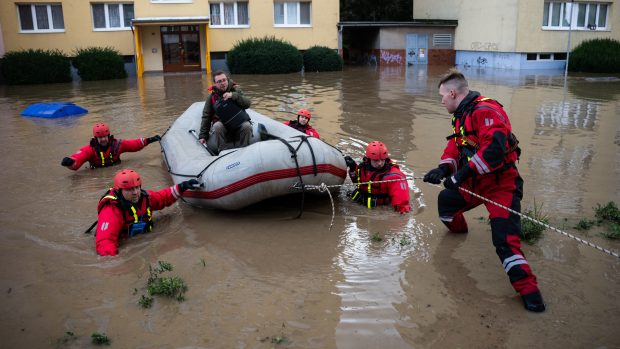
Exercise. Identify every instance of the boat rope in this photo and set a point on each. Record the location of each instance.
(323, 187)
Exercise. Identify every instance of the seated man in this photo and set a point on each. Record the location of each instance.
(303, 123)
(105, 150)
(224, 115)
(125, 210)
(377, 166)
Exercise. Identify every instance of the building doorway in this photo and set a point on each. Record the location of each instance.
(417, 49)
(180, 48)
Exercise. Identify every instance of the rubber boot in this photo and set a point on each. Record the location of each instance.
(534, 302)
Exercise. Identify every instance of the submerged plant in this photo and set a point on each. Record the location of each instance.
(376, 237)
(608, 212)
(100, 339)
(612, 232)
(531, 232)
(404, 241)
(585, 224)
(169, 286)
(145, 301)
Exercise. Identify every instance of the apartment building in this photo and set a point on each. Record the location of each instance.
(165, 35)
(522, 34)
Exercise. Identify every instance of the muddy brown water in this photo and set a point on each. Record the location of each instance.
(257, 275)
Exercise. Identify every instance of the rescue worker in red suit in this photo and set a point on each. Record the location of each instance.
(105, 150)
(480, 156)
(125, 210)
(377, 166)
(303, 123)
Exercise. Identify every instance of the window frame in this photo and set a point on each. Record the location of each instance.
(50, 19)
(107, 16)
(221, 15)
(285, 11)
(574, 22)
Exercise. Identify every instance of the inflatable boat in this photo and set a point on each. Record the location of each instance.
(279, 161)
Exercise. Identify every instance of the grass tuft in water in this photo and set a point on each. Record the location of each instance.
(585, 224)
(612, 232)
(608, 212)
(532, 232)
(376, 237)
(100, 339)
(168, 286)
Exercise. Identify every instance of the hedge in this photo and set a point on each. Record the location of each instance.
(596, 56)
(266, 55)
(35, 67)
(321, 58)
(99, 63)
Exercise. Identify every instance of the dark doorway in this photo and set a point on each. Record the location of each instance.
(180, 48)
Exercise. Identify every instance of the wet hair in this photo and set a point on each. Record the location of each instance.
(454, 77)
(218, 72)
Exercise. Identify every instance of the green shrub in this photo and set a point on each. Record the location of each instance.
(321, 58)
(266, 55)
(99, 63)
(596, 56)
(35, 67)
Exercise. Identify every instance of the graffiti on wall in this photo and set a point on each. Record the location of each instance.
(392, 57)
(484, 46)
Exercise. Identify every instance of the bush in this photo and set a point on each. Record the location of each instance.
(35, 67)
(596, 56)
(266, 55)
(321, 58)
(99, 63)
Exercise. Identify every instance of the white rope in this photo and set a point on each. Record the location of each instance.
(323, 187)
(543, 224)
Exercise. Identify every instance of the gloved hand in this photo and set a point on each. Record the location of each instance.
(155, 138)
(190, 184)
(402, 208)
(435, 175)
(66, 161)
(455, 181)
(350, 162)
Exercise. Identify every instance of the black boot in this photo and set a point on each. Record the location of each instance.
(534, 302)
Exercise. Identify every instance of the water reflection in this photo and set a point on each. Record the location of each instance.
(333, 288)
(373, 251)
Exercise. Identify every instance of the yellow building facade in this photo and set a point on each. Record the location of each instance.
(522, 34)
(165, 35)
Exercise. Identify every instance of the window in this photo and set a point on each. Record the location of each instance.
(112, 16)
(287, 14)
(229, 14)
(583, 16)
(41, 18)
(558, 56)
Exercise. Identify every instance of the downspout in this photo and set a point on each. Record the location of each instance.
(137, 51)
(207, 52)
(340, 50)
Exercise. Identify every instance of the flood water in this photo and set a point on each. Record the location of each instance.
(257, 277)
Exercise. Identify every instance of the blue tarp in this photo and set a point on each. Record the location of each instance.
(53, 110)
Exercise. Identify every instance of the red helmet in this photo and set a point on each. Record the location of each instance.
(125, 179)
(304, 112)
(101, 130)
(376, 151)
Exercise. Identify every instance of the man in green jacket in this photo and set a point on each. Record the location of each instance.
(224, 116)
